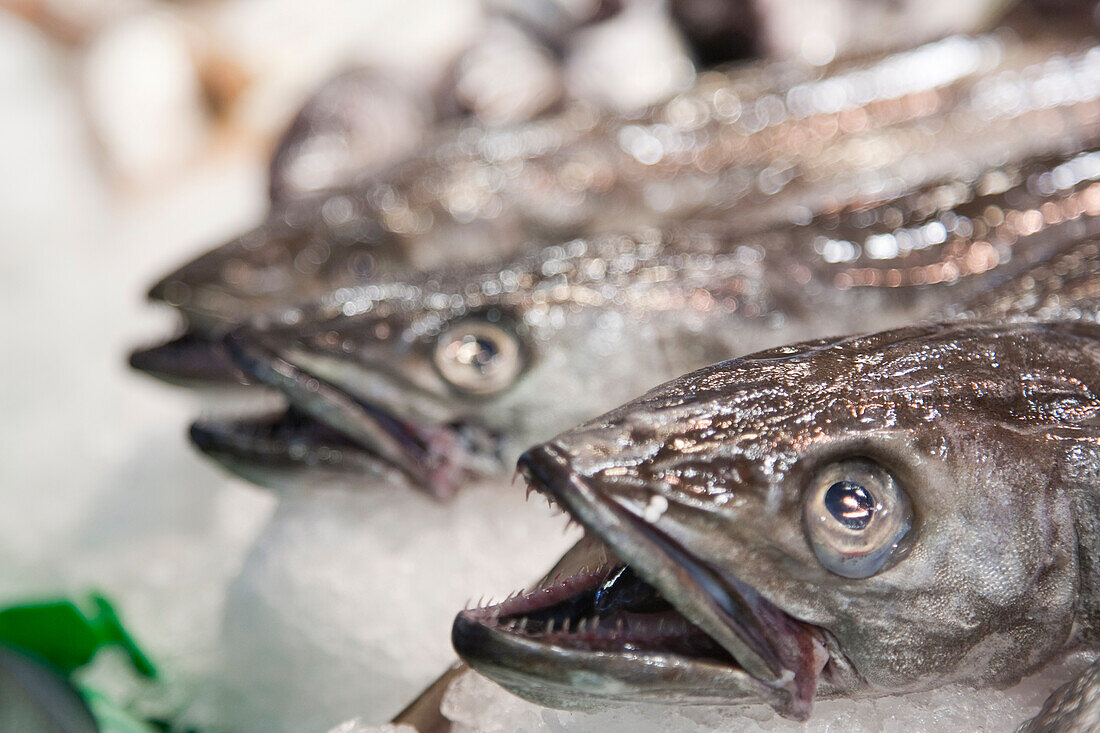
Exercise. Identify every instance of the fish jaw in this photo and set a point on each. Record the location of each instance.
(288, 450)
(559, 676)
(756, 650)
(189, 360)
(434, 457)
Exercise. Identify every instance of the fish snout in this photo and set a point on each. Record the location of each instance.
(190, 359)
(544, 466)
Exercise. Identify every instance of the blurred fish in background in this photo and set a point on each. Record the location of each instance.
(441, 374)
(476, 191)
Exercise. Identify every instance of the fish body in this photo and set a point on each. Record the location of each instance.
(751, 148)
(37, 697)
(444, 373)
(850, 516)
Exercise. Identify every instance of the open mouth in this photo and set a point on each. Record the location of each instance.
(606, 609)
(325, 420)
(647, 621)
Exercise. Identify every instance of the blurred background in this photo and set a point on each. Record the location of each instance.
(136, 133)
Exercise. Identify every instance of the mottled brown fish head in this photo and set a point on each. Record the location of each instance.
(451, 373)
(305, 248)
(852, 516)
(413, 371)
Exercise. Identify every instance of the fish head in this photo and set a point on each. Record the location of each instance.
(303, 249)
(306, 247)
(852, 516)
(464, 365)
(421, 376)
(329, 241)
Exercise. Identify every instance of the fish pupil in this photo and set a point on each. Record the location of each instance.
(850, 504)
(476, 352)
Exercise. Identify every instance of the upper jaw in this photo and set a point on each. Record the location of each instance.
(190, 359)
(435, 457)
(777, 658)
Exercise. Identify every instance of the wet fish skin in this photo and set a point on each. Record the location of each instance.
(754, 147)
(988, 423)
(676, 301)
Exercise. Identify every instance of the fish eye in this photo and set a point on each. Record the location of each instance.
(478, 357)
(856, 516)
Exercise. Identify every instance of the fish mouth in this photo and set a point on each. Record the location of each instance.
(189, 360)
(650, 622)
(284, 449)
(437, 458)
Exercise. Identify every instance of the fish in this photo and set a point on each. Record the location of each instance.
(753, 147)
(38, 697)
(849, 516)
(436, 378)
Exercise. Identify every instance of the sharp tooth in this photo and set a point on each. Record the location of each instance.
(595, 624)
(619, 626)
(481, 602)
(582, 626)
(565, 626)
(523, 624)
(550, 626)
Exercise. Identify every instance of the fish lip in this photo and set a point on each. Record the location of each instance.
(259, 439)
(285, 450)
(190, 359)
(730, 612)
(431, 456)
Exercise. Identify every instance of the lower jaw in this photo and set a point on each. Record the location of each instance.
(291, 449)
(656, 656)
(282, 450)
(571, 679)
